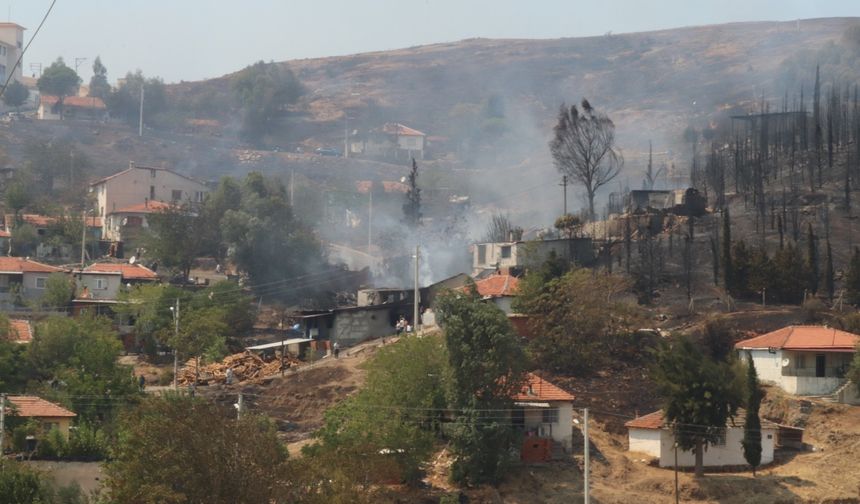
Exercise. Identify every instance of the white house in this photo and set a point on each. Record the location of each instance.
(73, 107)
(396, 141)
(651, 435)
(543, 410)
(519, 254)
(11, 45)
(21, 277)
(802, 360)
(128, 222)
(141, 185)
(104, 281)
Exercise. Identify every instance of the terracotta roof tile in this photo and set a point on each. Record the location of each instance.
(32, 406)
(74, 101)
(146, 207)
(20, 331)
(401, 130)
(538, 389)
(24, 265)
(496, 286)
(810, 338)
(655, 421)
(128, 271)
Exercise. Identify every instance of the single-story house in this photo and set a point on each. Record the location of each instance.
(499, 289)
(24, 277)
(802, 360)
(543, 411)
(651, 435)
(392, 140)
(352, 325)
(104, 280)
(47, 414)
(522, 254)
(73, 107)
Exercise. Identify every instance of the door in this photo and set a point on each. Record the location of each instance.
(819, 365)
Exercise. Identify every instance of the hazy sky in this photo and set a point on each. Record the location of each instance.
(195, 39)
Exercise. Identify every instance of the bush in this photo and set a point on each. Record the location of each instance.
(86, 442)
(52, 446)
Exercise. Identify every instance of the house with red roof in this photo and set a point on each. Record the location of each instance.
(71, 107)
(543, 411)
(104, 280)
(803, 360)
(652, 435)
(126, 198)
(20, 331)
(23, 279)
(499, 289)
(47, 414)
(392, 140)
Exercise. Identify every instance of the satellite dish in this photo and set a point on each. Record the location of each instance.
(132, 260)
(785, 362)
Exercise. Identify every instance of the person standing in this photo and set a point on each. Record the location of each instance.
(336, 349)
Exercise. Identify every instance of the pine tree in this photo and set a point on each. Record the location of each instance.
(752, 425)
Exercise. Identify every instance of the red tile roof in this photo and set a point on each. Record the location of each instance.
(400, 130)
(811, 338)
(146, 207)
(128, 271)
(74, 101)
(5, 234)
(24, 265)
(32, 406)
(497, 286)
(655, 421)
(20, 331)
(538, 389)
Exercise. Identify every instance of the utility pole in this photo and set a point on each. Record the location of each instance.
(78, 62)
(676, 474)
(564, 188)
(2, 422)
(586, 457)
(416, 295)
(370, 218)
(293, 189)
(83, 238)
(140, 124)
(175, 335)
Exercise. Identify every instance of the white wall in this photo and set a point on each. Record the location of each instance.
(645, 441)
(111, 285)
(561, 431)
(767, 365)
(799, 380)
(731, 454)
(133, 188)
(504, 303)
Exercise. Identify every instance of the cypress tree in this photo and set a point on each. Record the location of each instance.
(752, 426)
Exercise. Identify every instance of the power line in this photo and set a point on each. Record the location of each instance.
(23, 51)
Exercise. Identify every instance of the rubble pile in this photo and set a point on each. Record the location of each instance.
(246, 366)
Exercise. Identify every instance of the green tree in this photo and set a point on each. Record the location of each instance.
(228, 196)
(752, 425)
(583, 148)
(699, 395)
(267, 242)
(171, 238)
(201, 331)
(235, 308)
(150, 308)
(14, 370)
(20, 484)
(60, 81)
(390, 425)
(579, 322)
(852, 278)
(264, 91)
(59, 291)
(18, 196)
(175, 449)
(99, 86)
(16, 94)
(24, 240)
(79, 356)
(124, 102)
(412, 203)
(487, 370)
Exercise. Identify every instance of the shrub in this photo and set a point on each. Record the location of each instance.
(86, 442)
(52, 446)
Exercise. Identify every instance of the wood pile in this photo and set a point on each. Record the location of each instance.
(246, 366)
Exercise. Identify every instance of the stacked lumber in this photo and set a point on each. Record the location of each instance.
(246, 366)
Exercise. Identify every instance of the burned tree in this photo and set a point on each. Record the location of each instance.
(583, 148)
(412, 205)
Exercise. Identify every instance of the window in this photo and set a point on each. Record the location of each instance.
(800, 361)
(152, 192)
(550, 415)
(101, 284)
(40, 282)
(176, 194)
(506, 252)
(198, 196)
(482, 254)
